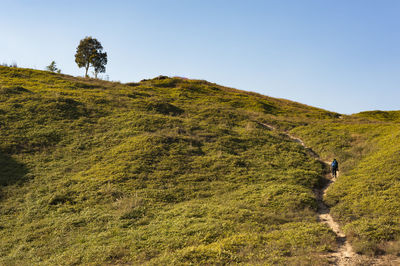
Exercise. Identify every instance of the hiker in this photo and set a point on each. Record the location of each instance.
(334, 167)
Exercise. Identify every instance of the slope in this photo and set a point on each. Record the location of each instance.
(365, 197)
(172, 171)
(162, 171)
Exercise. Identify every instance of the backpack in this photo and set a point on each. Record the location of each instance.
(334, 164)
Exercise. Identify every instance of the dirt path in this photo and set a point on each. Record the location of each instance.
(345, 254)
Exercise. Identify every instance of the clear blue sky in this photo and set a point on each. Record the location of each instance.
(341, 55)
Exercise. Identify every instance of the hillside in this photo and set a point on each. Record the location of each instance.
(365, 197)
(176, 171)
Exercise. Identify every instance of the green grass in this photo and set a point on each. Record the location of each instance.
(165, 171)
(175, 171)
(393, 116)
(365, 197)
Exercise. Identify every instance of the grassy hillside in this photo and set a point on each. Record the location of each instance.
(365, 198)
(175, 171)
(392, 116)
(162, 171)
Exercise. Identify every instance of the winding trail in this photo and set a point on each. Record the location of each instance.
(345, 254)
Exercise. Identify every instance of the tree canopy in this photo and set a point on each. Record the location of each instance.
(53, 67)
(89, 53)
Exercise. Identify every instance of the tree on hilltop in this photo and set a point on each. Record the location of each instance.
(99, 63)
(89, 53)
(53, 67)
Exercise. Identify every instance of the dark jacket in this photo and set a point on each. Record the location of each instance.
(335, 165)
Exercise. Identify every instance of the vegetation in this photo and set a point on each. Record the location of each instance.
(13, 64)
(53, 67)
(177, 171)
(89, 53)
(365, 196)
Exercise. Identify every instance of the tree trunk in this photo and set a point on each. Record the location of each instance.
(87, 68)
